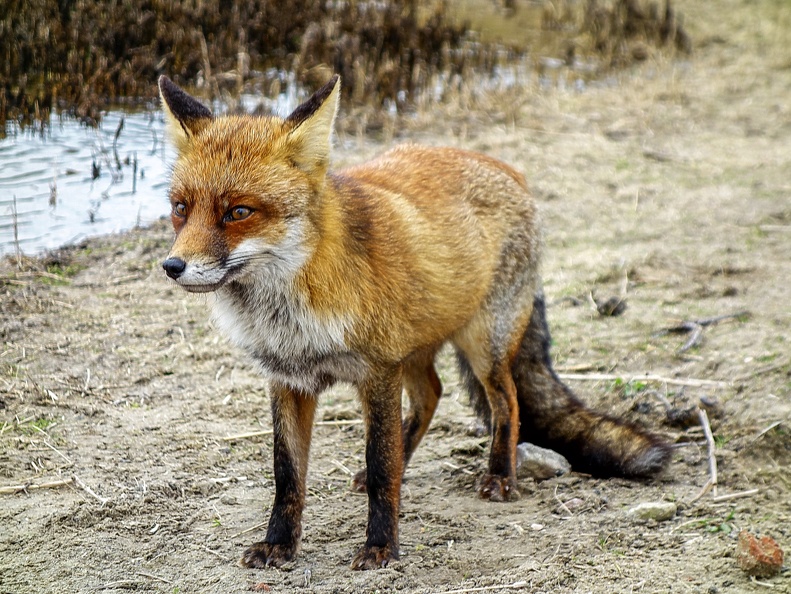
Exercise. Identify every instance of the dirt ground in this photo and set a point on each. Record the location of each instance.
(671, 182)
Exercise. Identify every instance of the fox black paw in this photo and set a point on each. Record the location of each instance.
(374, 557)
(498, 488)
(263, 554)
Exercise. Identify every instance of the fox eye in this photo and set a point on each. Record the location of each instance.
(180, 209)
(238, 213)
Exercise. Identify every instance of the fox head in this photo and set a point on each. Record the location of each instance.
(244, 189)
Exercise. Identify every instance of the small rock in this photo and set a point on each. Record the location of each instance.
(539, 463)
(659, 511)
(574, 503)
(227, 499)
(760, 558)
(639, 52)
(477, 428)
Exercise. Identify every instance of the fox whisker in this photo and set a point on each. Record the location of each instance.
(242, 260)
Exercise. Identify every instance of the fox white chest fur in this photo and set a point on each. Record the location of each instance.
(275, 326)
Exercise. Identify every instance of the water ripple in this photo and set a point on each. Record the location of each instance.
(48, 179)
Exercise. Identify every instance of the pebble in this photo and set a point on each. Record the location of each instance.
(539, 463)
(659, 511)
(227, 499)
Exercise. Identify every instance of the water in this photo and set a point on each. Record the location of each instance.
(48, 178)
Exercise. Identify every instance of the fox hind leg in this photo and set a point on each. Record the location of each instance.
(486, 366)
(476, 393)
(424, 391)
(552, 416)
(499, 483)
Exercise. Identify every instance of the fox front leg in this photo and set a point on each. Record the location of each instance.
(380, 394)
(292, 421)
(422, 385)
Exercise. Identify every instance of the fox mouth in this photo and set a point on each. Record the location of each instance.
(198, 288)
(207, 287)
(205, 277)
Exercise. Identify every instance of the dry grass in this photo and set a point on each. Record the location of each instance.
(82, 56)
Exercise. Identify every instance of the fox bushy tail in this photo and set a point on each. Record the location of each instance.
(552, 416)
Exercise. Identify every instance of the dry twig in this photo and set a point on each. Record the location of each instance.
(342, 467)
(89, 491)
(248, 435)
(760, 371)
(738, 495)
(646, 377)
(151, 576)
(711, 484)
(250, 529)
(695, 328)
(12, 489)
(58, 452)
(699, 521)
(340, 423)
(578, 367)
(514, 586)
(563, 506)
(765, 431)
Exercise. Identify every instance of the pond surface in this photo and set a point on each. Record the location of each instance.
(70, 181)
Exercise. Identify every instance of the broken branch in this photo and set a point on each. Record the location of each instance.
(695, 328)
(711, 484)
(647, 377)
(12, 489)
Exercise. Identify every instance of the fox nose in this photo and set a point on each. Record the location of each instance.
(174, 267)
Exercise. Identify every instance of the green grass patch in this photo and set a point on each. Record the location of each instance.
(58, 274)
(627, 389)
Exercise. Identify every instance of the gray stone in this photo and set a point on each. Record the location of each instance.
(539, 463)
(658, 511)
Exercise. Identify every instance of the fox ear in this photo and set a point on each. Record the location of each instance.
(186, 116)
(310, 137)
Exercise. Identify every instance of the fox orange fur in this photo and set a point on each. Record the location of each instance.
(360, 276)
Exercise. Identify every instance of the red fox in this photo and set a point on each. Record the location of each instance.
(360, 276)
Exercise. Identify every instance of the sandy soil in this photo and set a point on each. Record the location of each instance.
(671, 181)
